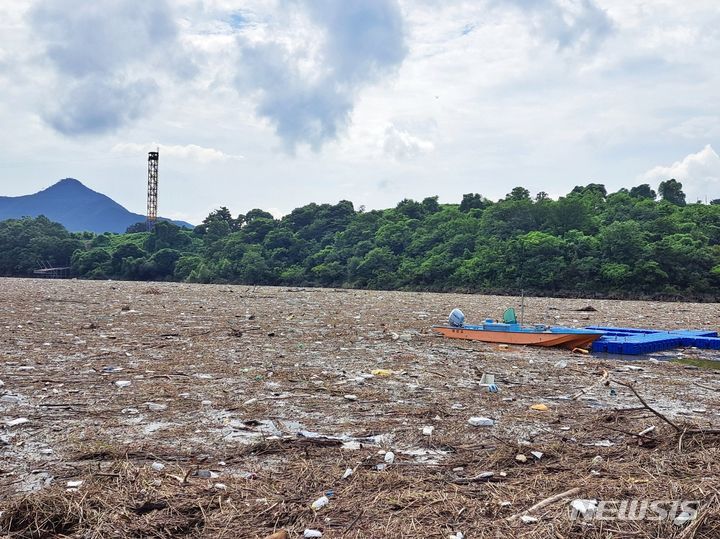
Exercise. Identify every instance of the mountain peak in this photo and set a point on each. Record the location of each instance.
(68, 183)
(76, 206)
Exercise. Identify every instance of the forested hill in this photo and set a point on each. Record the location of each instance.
(631, 243)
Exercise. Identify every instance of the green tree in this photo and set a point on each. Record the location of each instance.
(472, 201)
(643, 191)
(137, 227)
(410, 209)
(518, 193)
(671, 191)
(166, 235)
(123, 252)
(223, 221)
(186, 265)
(164, 262)
(92, 264)
(623, 243)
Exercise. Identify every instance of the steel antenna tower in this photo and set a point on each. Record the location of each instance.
(153, 158)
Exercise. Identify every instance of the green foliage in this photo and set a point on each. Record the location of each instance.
(28, 244)
(590, 241)
(643, 191)
(472, 201)
(671, 191)
(137, 227)
(93, 264)
(122, 254)
(220, 221)
(166, 235)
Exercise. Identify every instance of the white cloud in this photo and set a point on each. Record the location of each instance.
(190, 152)
(106, 48)
(306, 74)
(401, 144)
(698, 172)
(475, 96)
(698, 127)
(277, 213)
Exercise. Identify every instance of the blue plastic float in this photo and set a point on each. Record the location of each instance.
(636, 341)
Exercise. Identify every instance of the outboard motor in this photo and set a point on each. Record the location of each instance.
(456, 318)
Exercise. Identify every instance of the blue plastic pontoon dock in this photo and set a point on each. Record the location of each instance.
(636, 341)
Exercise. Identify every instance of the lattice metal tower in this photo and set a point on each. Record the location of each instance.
(153, 158)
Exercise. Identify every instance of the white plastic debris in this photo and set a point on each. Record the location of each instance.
(250, 401)
(604, 443)
(537, 454)
(352, 445)
(207, 474)
(597, 459)
(427, 431)
(481, 422)
(350, 397)
(584, 506)
(682, 518)
(347, 473)
(487, 379)
(155, 407)
(527, 519)
(2, 384)
(312, 533)
(457, 535)
(319, 504)
(520, 457)
(220, 486)
(74, 484)
(16, 422)
(123, 383)
(14, 399)
(157, 466)
(561, 364)
(389, 457)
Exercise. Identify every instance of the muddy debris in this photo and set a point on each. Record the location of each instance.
(183, 417)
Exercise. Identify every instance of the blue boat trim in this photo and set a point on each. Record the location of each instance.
(538, 328)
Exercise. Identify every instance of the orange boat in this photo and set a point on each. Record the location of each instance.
(514, 333)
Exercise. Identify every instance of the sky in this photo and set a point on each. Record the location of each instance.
(274, 104)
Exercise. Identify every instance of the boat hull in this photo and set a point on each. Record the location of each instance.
(548, 338)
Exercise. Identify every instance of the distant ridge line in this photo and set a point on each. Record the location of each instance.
(77, 207)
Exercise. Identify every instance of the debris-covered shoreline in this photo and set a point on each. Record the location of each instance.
(136, 409)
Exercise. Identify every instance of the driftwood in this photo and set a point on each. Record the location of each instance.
(649, 408)
(547, 501)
